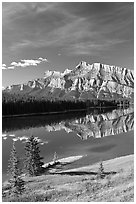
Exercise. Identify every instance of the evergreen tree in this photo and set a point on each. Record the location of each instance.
(17, 183)
(101, 170)
(33, 163)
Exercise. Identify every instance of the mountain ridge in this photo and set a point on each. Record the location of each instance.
(85, 81)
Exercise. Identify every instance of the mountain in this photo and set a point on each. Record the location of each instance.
(85, 81)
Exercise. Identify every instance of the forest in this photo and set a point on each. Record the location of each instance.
(30, 105)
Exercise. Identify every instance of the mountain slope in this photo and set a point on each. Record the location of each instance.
(85, 81)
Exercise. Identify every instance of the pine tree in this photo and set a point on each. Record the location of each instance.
(17, 183)
(101, 170)
(33, 163)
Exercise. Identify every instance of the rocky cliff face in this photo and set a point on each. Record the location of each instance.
(98, 125)
(85, 81)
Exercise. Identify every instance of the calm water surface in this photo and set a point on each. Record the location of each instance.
(98, 134)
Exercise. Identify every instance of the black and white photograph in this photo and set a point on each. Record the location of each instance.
(67, 101)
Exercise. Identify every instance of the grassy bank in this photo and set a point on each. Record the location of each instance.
(82, 184)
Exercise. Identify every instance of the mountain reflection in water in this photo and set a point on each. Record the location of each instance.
(96, 123)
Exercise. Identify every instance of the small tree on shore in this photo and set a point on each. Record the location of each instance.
(33, 163)
(17, 183)
(55, 158)
(101, 170)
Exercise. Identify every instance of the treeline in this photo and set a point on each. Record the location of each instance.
(33, 166)
(32, 105)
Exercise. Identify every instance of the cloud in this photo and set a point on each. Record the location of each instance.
(11, 11)
(42, 59)
(25, 138)
(80, 34)
(4, 66)
(25, 63)
(10, 67)
(76, 28)
(21, 44)
(92, 48)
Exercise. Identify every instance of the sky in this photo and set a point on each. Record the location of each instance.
(41, 36)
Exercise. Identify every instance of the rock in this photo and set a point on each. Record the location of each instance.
(95, 81)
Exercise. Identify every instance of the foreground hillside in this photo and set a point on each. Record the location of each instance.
(83, 184)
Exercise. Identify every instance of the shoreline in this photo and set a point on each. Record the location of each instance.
(86, 184)
(117, 162)
(44, 113)
(57, 112)
(65, 160)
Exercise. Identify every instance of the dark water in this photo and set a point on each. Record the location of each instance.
(98, 134)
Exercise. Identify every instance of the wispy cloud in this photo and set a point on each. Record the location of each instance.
(76, 37)
(4, 66)
(89, 33)
(25, 63)
(92, 48)
(76, 28)
(10, 67)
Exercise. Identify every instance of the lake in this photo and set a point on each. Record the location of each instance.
(99, 134)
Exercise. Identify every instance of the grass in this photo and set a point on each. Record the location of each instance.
(82, 184)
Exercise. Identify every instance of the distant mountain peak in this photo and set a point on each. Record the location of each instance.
(85, 81)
